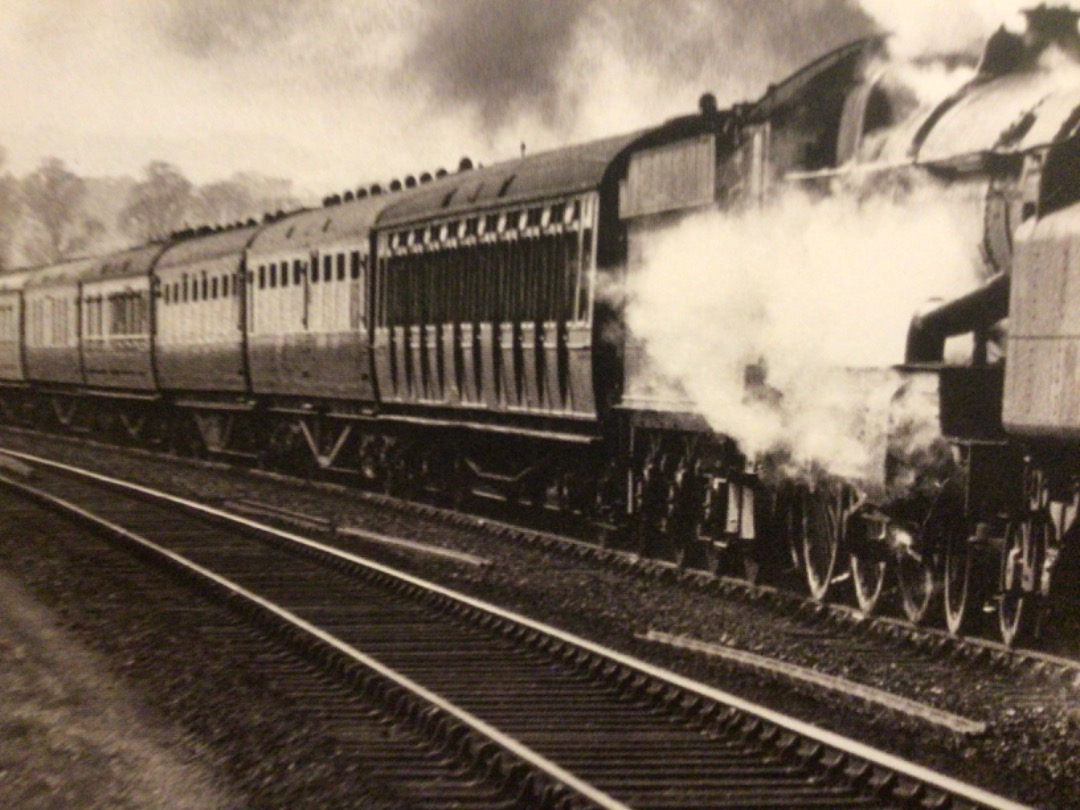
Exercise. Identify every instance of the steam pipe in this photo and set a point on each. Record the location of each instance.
(974, 311)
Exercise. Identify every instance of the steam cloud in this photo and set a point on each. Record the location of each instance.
(818, 291)
(924, 28)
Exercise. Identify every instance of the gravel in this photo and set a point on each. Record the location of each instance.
(1031, 753)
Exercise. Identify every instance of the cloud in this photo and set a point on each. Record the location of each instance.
(334, 92)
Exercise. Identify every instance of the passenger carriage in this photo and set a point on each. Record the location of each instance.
(12, 355)
(306, 323)
(200, 342)
(53, 352)
(487, 332)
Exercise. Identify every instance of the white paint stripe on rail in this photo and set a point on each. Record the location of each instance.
(951, 722)
(412, 545)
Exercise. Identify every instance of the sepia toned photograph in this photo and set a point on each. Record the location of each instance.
(539, 404)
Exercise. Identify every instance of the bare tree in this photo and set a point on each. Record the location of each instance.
(158, 204)
(10, 208)
(53, 196)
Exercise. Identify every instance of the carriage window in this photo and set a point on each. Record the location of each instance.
(213, 287)
(298, 272)
(205, 286)
(354, 265)
(284, 274)
(273, 275)
(225, 286)
(262, 276)
(328, 267)
(314, 278)
(341, 267)
(167, 295)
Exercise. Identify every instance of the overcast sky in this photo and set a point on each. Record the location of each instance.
(336, 93)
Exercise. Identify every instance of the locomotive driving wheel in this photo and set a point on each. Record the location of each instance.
(825, 506)
(868, 576)
(1022, 563)
(918, 587)
(919, 566)
(963, 597)
(1024, 571)
(869, 564)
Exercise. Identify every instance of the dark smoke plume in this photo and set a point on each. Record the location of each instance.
(736, 45)
(501, 58)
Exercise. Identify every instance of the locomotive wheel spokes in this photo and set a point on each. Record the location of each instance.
(868, 563)
(919, 588)
(1022, 561)
(963, 602)
(822, 530)
(868, 576)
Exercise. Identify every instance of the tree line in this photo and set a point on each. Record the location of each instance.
(52, 213)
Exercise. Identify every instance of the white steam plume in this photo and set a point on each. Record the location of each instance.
(814, 289)
(931, 28)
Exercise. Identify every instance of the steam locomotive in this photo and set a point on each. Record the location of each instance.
(463, 333)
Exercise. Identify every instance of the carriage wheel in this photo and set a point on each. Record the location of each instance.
(690, 552)
(822, 530)
(868, 576)
(749, 565)
(1024, 552)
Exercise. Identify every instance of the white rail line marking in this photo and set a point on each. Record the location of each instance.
(879, 697)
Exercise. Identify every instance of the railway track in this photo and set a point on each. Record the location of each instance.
(550, 720)
(822, 618)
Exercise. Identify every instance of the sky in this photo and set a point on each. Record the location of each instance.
(339, 93)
